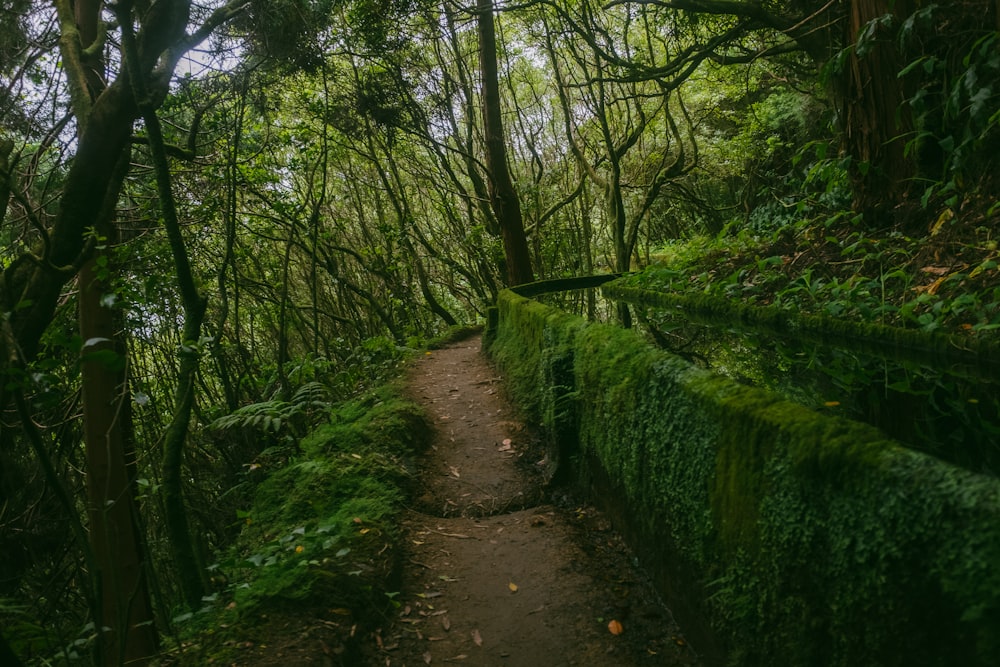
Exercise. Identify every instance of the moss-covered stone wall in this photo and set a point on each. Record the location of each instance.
(780, 536)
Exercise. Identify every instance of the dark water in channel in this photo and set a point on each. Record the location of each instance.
(948, 411)
(952, 413)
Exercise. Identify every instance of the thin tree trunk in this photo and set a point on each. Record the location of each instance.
(503, 195)
(194, 306)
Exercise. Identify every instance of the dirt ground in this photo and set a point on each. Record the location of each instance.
(498, 569)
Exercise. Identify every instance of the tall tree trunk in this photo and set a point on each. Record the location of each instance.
(114, 535)
(128, 633)
(503, 196)
(194, 305)
(877, 120)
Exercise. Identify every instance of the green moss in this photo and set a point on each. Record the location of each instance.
(453, 334)
(380, 419)
(322, 531)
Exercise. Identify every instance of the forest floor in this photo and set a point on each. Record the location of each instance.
(497, 568)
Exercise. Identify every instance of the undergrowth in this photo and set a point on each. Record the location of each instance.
(946, 280)
(319, 539)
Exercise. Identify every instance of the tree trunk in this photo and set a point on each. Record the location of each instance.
(503, 196)
(114, 533)
(877, 120)
(128, 632)
(189, 570)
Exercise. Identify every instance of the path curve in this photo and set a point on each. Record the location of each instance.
(494, 575)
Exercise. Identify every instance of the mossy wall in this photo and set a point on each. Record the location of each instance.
(792, 537)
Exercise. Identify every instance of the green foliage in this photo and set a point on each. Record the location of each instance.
(322, 530)
(803, 539)
(852, 275)
(378, 421)
(289, 31)
(277, 416)
(956, 102)
(452, 335)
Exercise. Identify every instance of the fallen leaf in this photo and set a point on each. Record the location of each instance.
(945, 216)
(427, 658)
(615, 628)
(477, 638)
(933, 288)
(454, 471)
(512, 586)
(457, 658)
(445, 623)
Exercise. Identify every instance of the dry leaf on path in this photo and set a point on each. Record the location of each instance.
(615, 628)
(445, 623)
(427, 657)
(477, 638)
(512, 586)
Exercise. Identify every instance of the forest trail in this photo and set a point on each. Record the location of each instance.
(495, 573)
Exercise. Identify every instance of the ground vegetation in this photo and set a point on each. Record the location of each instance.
(219, 219)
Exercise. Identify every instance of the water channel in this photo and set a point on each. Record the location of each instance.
(948, 409)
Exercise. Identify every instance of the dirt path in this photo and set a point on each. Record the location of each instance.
(495, 574)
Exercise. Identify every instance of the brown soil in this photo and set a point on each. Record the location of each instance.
(499, 570)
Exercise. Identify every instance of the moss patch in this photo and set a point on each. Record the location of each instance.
(320, 540)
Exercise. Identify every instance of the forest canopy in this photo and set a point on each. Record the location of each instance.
(219, 217)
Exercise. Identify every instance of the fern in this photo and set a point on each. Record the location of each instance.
(274, 415)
